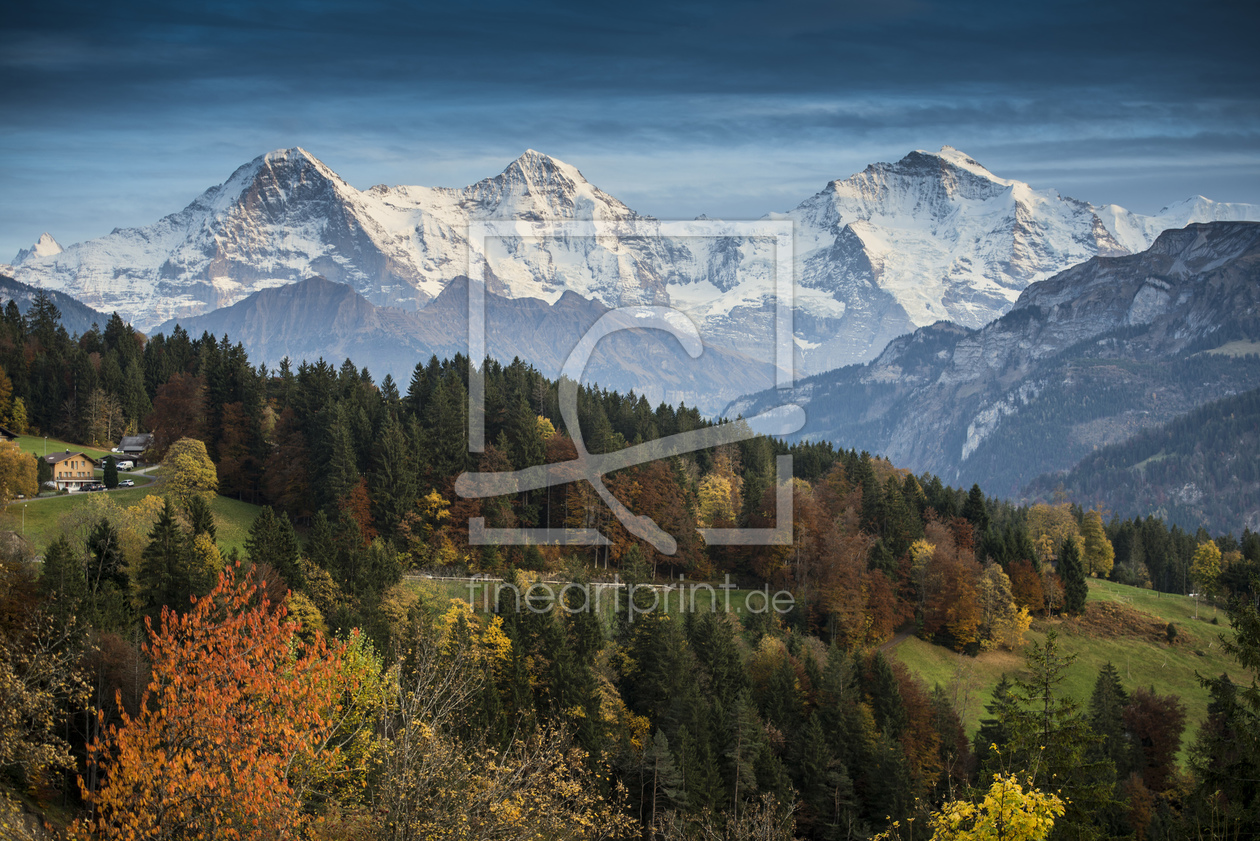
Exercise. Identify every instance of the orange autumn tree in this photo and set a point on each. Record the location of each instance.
(239, 720)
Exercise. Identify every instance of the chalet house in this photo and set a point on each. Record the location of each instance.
(71, 470)
(7, 434)
(135, 445)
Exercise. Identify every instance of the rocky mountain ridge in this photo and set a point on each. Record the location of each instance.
(1084, 359)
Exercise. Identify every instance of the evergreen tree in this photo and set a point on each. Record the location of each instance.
(200, 517)
(162, 576)
(63, 579)
(106, 564)
(1072, 574)
(886, 701)
(273, 541)
(1106, 719)
(394, 479)
(1051, 735)
(1226, 755)
(975, 511)
(744, 736)
(994, 733)
(110, 473)
(661, 777)
(343, 467)
(321, 546)
(826, 791)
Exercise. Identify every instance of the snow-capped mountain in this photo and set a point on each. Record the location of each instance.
(935, 235)
(45, 246)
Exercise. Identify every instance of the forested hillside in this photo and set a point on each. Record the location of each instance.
(1199, 471)
(138, 654)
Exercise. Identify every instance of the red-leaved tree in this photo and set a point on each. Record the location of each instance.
(239, 721)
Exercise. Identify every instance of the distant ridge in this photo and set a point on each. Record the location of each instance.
(317, 318)
(1200, 470)
(76, 317)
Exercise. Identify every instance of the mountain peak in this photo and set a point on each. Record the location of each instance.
(964, 161)
(954, 157)
(45, 246)
(537, 168)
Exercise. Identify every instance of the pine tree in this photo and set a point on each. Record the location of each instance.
(321, 546)
(817, 780)
(1072, 574)
(1106, 719)
(63, 579)
(975, 511)
(661, 777)
(106, 563)
(1050, 734)
(200, 517)
(272, 541)
(110, 472)
(743, 739)
(886, 702)
(994, 733)
(343, 467)
(162, 575)
(394, 487)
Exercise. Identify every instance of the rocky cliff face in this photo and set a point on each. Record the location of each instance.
(932, 236)
(1085, 358)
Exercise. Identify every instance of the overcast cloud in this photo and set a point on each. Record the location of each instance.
(117, 114)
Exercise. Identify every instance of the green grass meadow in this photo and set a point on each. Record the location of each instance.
(43, 516)
(39, 446)
(1141, 662)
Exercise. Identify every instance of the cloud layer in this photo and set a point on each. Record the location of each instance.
(119, 113)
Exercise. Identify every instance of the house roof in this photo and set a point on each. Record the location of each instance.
(136, 442)
(59, 457)
(5, 432)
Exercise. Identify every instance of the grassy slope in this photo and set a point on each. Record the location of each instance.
(232, 518)
(1141, 662)
(35, 445)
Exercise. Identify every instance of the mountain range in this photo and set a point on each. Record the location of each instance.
(894, 247)
(316, 318)
(1087, 358)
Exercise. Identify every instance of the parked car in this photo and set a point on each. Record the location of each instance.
(126, 483)
(125, 464)
(94, 486)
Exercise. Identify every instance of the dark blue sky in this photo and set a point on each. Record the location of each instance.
(115, 114)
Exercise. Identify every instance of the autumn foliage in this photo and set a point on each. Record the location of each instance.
(238, 720)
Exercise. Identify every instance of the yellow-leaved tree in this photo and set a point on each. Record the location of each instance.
(1205, 569)
(1001, 622)
(17, 473)
(1049, 526)
(188, 470)
(1009, 812)
(1099, 555)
